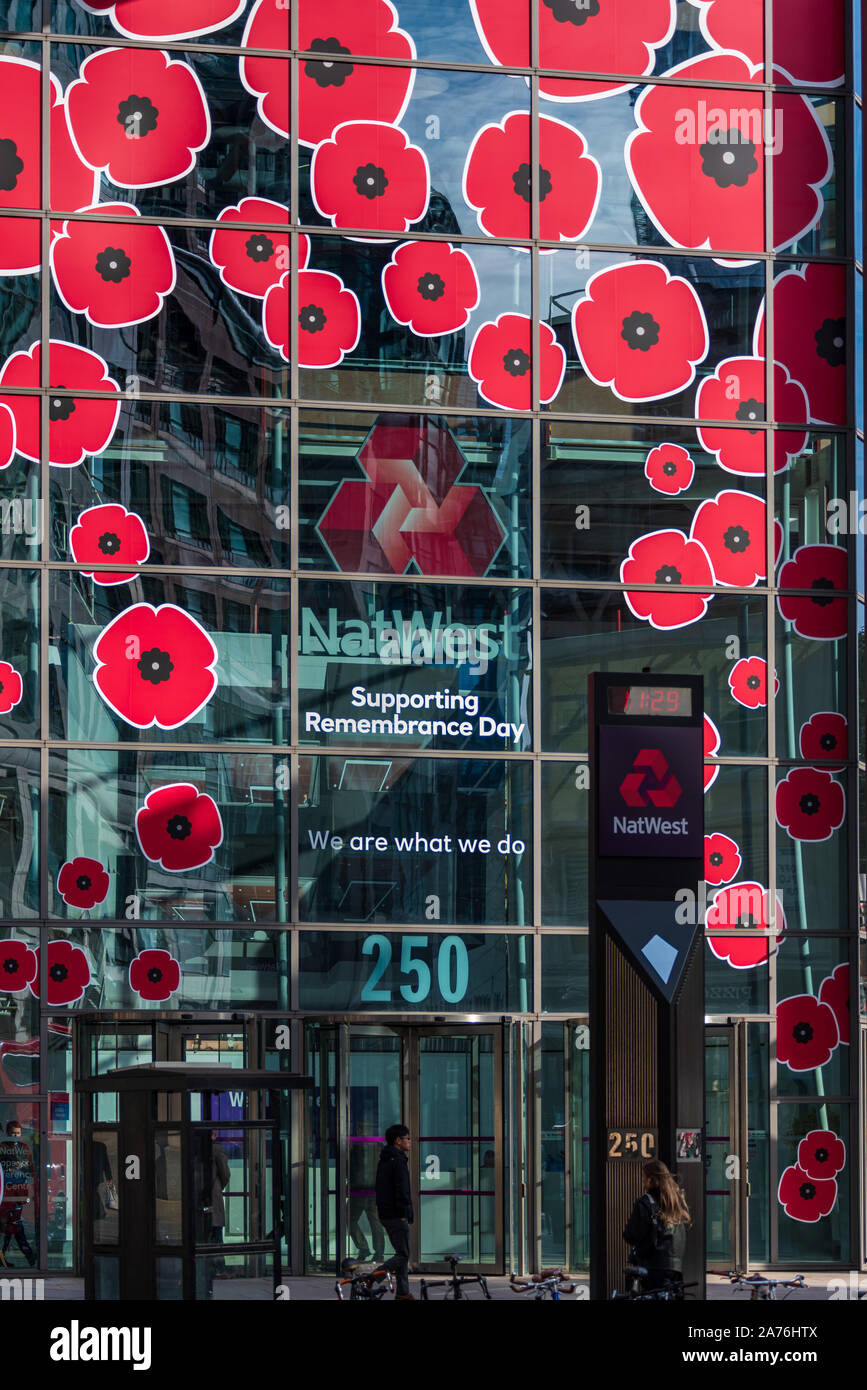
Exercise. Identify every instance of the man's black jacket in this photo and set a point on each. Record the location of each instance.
(393, 1195)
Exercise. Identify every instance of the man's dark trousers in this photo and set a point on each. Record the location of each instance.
(398, 1233)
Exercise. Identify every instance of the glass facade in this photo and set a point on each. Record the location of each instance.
(369, 376)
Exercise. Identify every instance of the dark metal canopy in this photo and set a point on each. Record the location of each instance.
(191, 1076)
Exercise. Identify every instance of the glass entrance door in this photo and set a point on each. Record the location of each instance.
(725, 1164)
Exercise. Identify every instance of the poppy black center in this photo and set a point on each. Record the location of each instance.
(716, 859)
(821, 1155)
(10, 165)
(155, 974)
(60, 407)
(750, 410)
(746, 919)
(828, 742)
(572, 11)
(807, 1191)
(753, 682)
(259, 247)
(669, 469)
(831, 341)
(736, 539)
(729, 159)
(179, 827)
(312, 319)
(113, 265)
(523, 181)
(138, 116)
(431, 285)
(516, 362)
(669, 575)
(821, 585)
(809, 803)
(802, 1032)
(640, 331)
(325, 71)
(58, 972)
(155, 666)
(82, 883)
(370, 181)
(10, 965)
(108, 543)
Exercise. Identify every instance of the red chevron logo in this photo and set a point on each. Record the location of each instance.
(635, 789)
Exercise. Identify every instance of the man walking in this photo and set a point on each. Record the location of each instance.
(394, 1202)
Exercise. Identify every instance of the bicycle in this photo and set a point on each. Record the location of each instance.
(454, 1285)
(764, 1290)
(672, 1291)
(548, 1283)
(364, 1284)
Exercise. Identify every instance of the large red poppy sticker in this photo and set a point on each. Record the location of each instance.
(166, 19)
(18, 967)
(834, 991)
(804, 1198)
(640, 331)
(11, 687)
(736, 392)
(744, 909)
(107, 533)
(807, 1034)
(500, 362)
(430, 287)
(577, 36)
(810, 804)
(369, 175)
(697, 159)
(711, 746)
(805, 53)
(822, 570)
(498, 178)
(252, 261)
(115, 273)
(76, 427)
(824, 739)
(731, 527)
(329, 319)
(68, 973)
(73, 184)
(138, 116)
(179, 827)
(154, 975)
(155, 666)
(668, 559)
(331, 88)
(83, 883)
(810, 336)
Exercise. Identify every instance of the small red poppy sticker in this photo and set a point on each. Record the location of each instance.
(722, 859)
(668, 559)
(155, 666)
(117, 274)
(748, 682)
(804, 1198)
(18, 967)
(810, 804)
(807, 1034)
(252, 261)
(83, 883)
(500, 362)
(329, 319)
(824, 739)
(107, 533)
(640, 331)
(822, 1154)
(369, 175)
(731, 528)
(154, 975)
(669, 469)
(179, 827)
(11, 687)
(76, 427)
(823, 571)
(68, 973)
(430, 287)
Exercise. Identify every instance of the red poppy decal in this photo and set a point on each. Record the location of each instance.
(11, 687)
(430, 287)
(722, 859)
(822, 569)
(669, 468)
(252, 261)
(640, 330)
(155, 666)
(331, 87)
(498, 179)
(592, 36)
(710, 734)
(107, 533)
(18, 966)
(115, 274)
(77, 427)
(499, 362)
(804, 1198)
(806, 53)
(743, 907)
(138, 116)
(810, 336)
(68, 973)
(329, 319)
(178, 827)
(748, 682)
(154, 975)
(736, 392)
(83, 883)
(807, 1033)
(667, 558)
(166, 19)
(696, 160)
(369, 175)
(731, 527)
(825, 739)
(810, 804)
(822, 1154)
(73, 184)
(834, 991)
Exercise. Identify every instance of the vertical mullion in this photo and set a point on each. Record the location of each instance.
(43, 551)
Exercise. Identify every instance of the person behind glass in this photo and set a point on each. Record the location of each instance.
(220, 1176)
(18, 1175)
(657, 1227)
(394, 1203)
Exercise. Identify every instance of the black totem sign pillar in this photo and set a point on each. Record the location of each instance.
(646, 961)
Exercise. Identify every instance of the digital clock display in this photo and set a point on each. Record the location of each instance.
(650, 699)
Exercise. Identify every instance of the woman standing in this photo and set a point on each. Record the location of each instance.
(657, 1227)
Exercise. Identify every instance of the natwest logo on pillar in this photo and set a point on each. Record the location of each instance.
(645, 774)
(635, 789)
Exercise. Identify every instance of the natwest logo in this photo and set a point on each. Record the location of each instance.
(650, 783)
